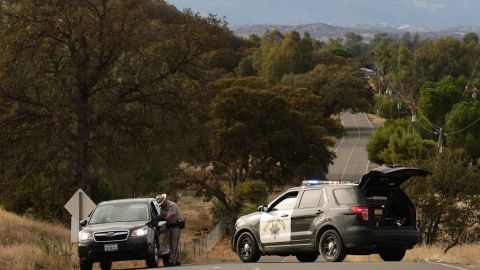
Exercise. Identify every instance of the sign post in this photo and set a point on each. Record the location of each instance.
(79, 206)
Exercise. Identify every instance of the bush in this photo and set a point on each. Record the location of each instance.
(388, 108)
(447, 201)
(244, 199)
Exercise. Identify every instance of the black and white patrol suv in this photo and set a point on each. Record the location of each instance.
(334, 219)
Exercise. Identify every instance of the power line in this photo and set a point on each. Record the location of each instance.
(428, 121)
(465, 128)
(435, 127)
(426, 129)
(463, 94)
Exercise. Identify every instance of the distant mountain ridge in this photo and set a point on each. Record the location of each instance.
(323, 31)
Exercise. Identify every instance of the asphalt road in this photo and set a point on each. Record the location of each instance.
(352, 158)
(324, 265)
(351, 163)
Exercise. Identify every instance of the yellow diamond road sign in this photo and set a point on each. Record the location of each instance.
(80, 205)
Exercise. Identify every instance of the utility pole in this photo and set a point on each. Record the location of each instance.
(440, 141)
(414, 118)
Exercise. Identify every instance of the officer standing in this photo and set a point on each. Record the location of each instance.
(175, 222)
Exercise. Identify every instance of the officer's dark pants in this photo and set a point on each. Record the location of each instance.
(174, 245)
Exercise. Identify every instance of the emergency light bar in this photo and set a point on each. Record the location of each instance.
(324, 182)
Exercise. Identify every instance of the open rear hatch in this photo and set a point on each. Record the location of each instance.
(389, 176)
(388, 206)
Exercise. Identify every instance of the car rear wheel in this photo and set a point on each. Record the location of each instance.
(307, 257)
(106, 265)
(247, 248)
(332, 247)
(152, 258)
(393, 255)
(84, 265)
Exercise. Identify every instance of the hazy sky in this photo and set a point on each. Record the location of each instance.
(427, 13)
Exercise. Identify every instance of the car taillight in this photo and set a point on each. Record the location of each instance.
(362, 212)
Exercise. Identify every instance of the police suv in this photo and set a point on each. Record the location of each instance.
(334, 219)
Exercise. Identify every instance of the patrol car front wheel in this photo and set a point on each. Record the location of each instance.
(332, 247)
(247, 249)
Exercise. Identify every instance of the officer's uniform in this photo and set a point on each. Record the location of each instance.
(173, 228)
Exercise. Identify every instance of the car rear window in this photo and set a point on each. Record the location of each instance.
(311, 198)
(347, 195)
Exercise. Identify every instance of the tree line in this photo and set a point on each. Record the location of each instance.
(112, 96)
(428, 94)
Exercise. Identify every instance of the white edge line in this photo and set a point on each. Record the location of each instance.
(338, 145)
(284, 260)
(353, 149)
(368, 119)
(366, 116)
(343, 136)
(447, 265)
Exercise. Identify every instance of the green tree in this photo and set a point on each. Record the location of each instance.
(258, 136)
(339, 87)
(405, 80)
(310, 106)
(392, 108)
(463, 127)
(384, 51)
(471, 37)
(245, 67)
(447, 200)
(435, 60)
(354, 44)
(394, 143)
(91, 92)
(290, 55)
(437, 99)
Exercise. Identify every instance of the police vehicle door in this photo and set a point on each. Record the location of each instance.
(275, 225)
(308, 216)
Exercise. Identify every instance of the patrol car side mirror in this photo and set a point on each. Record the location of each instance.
(262, 208)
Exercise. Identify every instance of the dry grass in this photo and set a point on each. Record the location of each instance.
(465, 255)
(30, 244)
(376, 120)
(197, 215)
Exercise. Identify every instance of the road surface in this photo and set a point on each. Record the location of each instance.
(351, 163)
(326, 266)
(352, 158)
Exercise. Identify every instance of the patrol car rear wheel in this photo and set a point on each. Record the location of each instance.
(307, 257)
(332, 247)
(247, 249)
(393, 255)
(106, 265)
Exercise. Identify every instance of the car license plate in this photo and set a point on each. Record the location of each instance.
(111, 247)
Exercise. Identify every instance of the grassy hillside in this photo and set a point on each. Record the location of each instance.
(30, 244)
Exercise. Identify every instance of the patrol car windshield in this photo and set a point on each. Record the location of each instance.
(124, 212)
